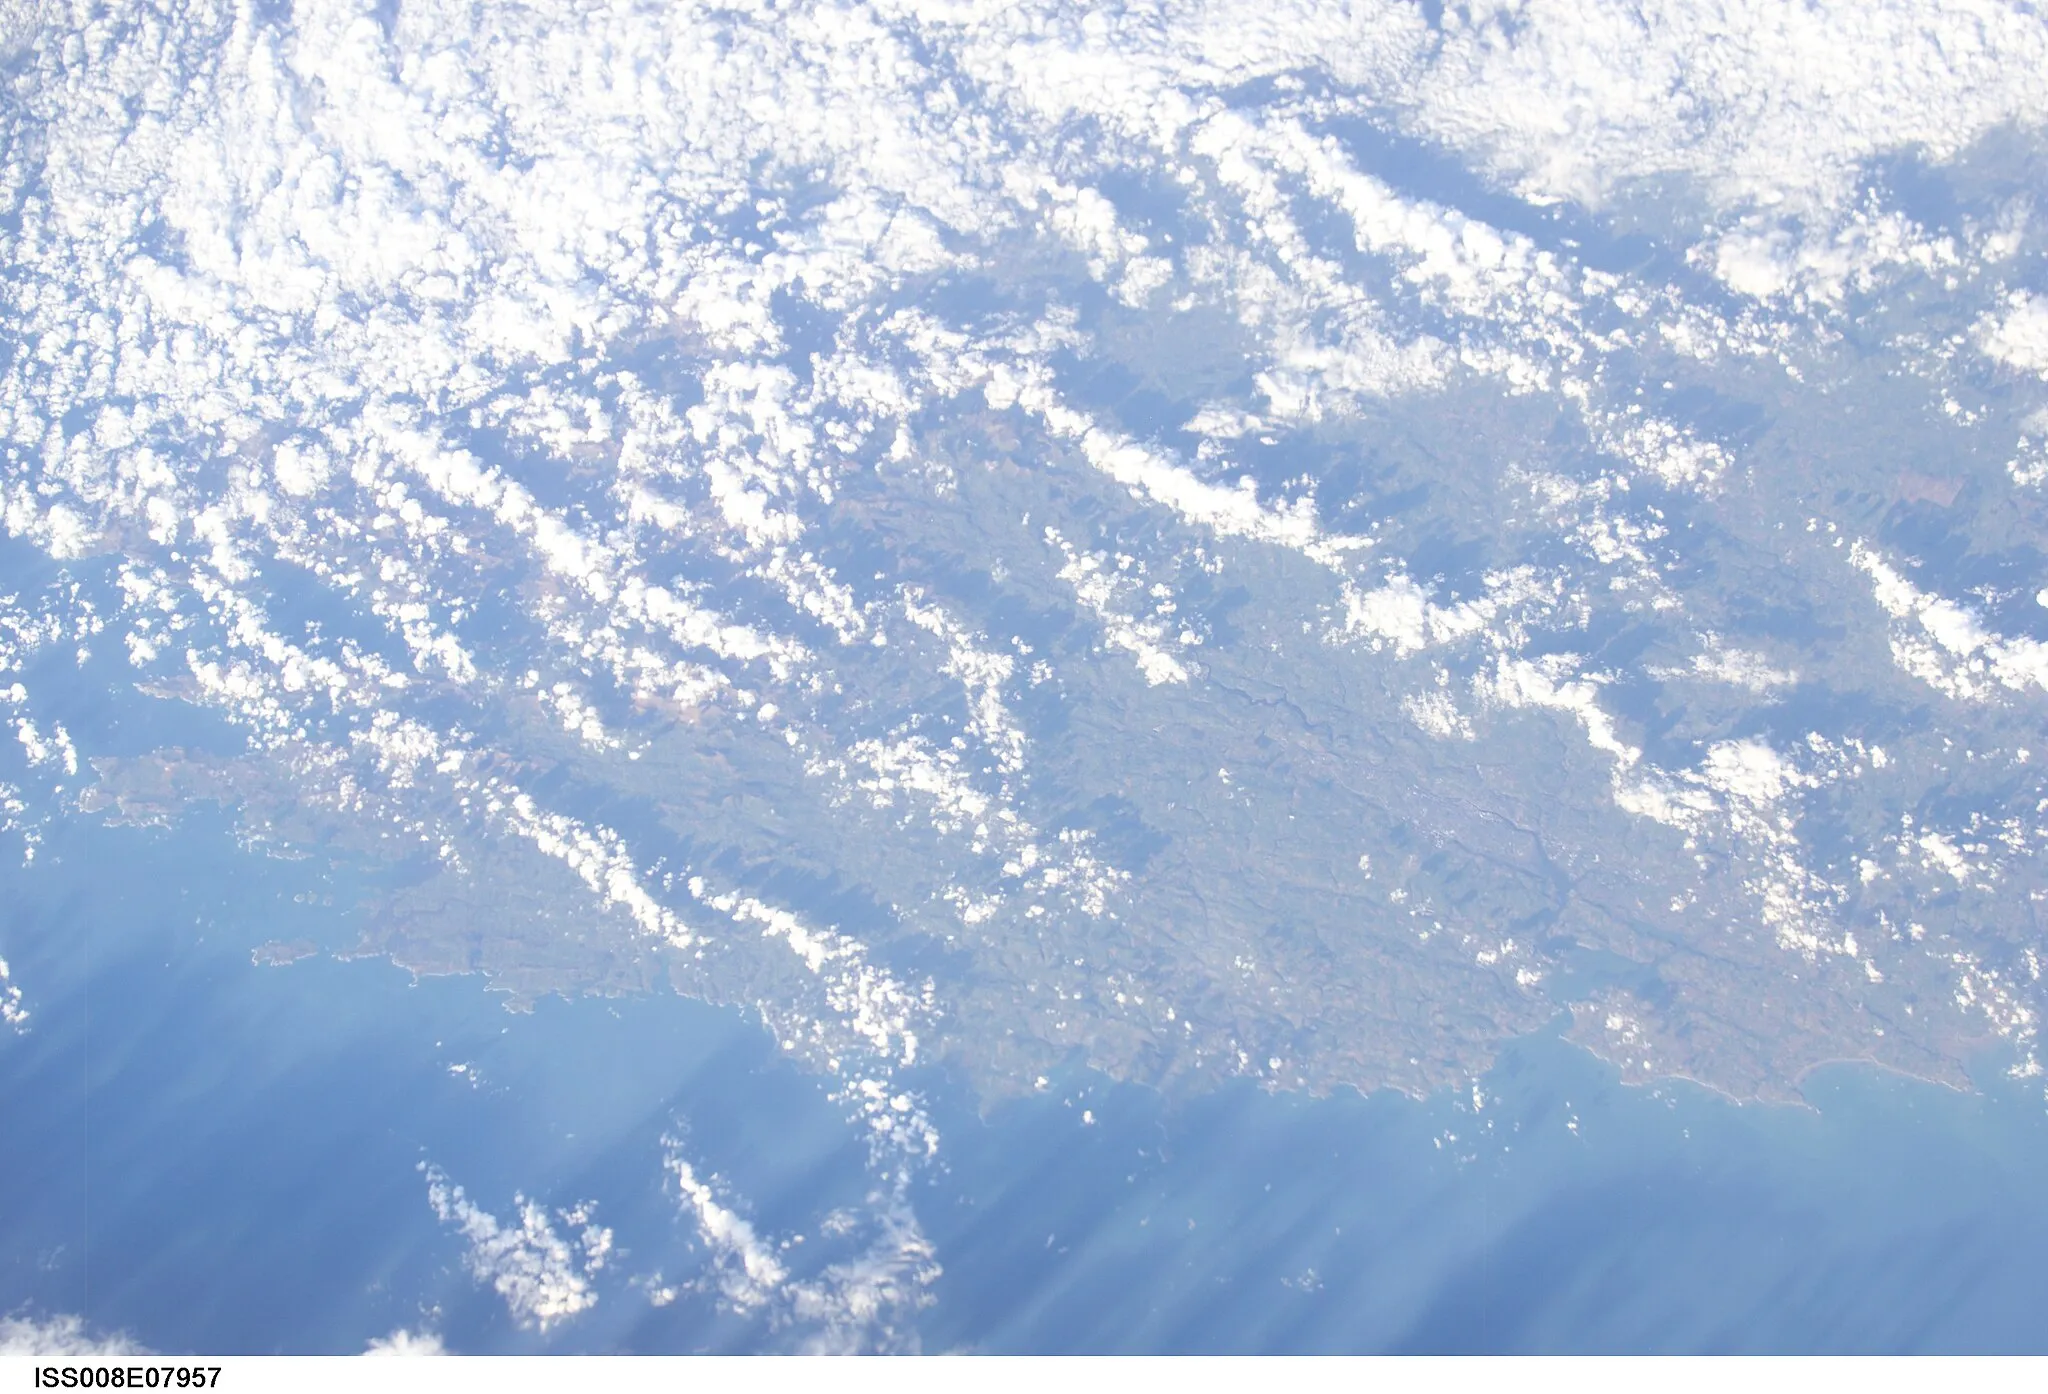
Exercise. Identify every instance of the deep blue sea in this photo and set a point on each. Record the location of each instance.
(221, 1157)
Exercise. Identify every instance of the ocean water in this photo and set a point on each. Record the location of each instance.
(216, 1156)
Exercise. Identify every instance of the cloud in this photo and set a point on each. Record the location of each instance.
(544, 1278)
(749, 1272)
(1755, 100)
(403, 1342)
(1737, 667)
(1549, 683)
(1437, 714)
(1113, 590)
(1750, 770)
(12, 1013)
(859, 1302)
(1946, 645)
(61, 1335)
(2018, 337)
(586, 360)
